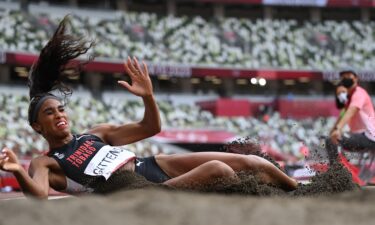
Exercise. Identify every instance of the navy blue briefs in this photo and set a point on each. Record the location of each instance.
(148, 168)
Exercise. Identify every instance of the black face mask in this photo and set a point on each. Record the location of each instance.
(347, 82)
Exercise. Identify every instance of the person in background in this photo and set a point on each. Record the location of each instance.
(359, 116)
(341, 99)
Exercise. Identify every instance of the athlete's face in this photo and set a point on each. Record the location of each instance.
(52, 119)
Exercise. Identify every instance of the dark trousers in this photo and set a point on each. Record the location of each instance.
(354, 142)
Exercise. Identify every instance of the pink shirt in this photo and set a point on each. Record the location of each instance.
(364, 119)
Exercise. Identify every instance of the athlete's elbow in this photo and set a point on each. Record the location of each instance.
(154, 130)
(157, 129)
(150, 129)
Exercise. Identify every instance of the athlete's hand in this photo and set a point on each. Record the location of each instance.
(335, 136)
(9, 161)
(141, 82)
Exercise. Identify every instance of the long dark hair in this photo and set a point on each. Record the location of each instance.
(54, 63)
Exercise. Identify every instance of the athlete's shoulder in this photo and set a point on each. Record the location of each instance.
(100, 130)
(102, 127)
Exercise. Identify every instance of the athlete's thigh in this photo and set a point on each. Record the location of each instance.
(177, 164)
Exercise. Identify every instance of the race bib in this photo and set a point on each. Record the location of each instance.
(107, 160)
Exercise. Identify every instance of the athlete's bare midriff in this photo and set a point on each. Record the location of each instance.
(129, 166)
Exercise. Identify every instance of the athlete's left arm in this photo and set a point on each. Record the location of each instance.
(149, 125)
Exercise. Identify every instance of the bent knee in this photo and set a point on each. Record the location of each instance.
(251, 162)
(219, 169)
(254, 163)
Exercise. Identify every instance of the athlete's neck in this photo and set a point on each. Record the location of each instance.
(58, 142)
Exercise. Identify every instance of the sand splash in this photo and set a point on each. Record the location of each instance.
(336, 179)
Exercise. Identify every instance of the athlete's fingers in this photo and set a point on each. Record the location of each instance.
(3, 161)
(137, 66)
(127, 68)
(145, 68)
(131, 66)
(8, 152)
(125, 84)
(130, 69)
(3, 154)
(4, 164)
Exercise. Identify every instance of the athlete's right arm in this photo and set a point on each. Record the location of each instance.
(35, 183)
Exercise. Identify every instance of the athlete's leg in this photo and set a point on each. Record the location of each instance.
(178, 164)
(202, 175)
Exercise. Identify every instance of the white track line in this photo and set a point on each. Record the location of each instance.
(24, 198)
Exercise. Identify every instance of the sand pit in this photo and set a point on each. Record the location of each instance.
(163, 207)
(330, 198)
